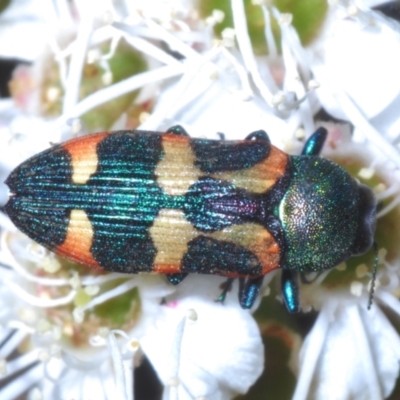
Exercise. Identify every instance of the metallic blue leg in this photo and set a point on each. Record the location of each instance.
(221, 135)
(258, 135)
(177, 130)
(249, 290)
(226, 287)
(315, 143)
(290, 290)
(176, 278)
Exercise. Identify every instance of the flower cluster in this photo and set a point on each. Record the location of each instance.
(231, 67)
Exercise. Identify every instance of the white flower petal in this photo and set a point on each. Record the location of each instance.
(208, 106)
(358, 357)
(207, 348)
(26, 136)
(360, 60)
(72, 384)
(23, 28)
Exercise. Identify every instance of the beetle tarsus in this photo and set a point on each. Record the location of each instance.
(315, 143)
(226, 288)
(175, 279)
(290, 290)
(177, 130)
(249, 290)
(221, 135)
(258, 135)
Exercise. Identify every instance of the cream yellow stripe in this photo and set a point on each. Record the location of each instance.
(260, 177)
(78, 242)
(171, 233)
(255, 238)
(84, 158)
(83, 166)
(176, 172)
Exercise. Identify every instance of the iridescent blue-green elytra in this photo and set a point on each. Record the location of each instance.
(138, 201)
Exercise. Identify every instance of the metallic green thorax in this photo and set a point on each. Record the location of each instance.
(319, 214)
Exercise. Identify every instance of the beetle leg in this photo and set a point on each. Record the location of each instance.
(315, 143)
(177, 130)
(226, 287)
(175, 279)
(249, 290)
(290, 290)
(221, 135)
(258, 135)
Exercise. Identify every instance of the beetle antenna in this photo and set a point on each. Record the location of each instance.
(372, 289)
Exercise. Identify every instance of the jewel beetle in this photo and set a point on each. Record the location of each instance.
(138, 201)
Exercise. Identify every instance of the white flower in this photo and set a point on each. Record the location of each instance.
(202, 349)
(44, 314)
(350, 353)
(356, 62)
(199, 348)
